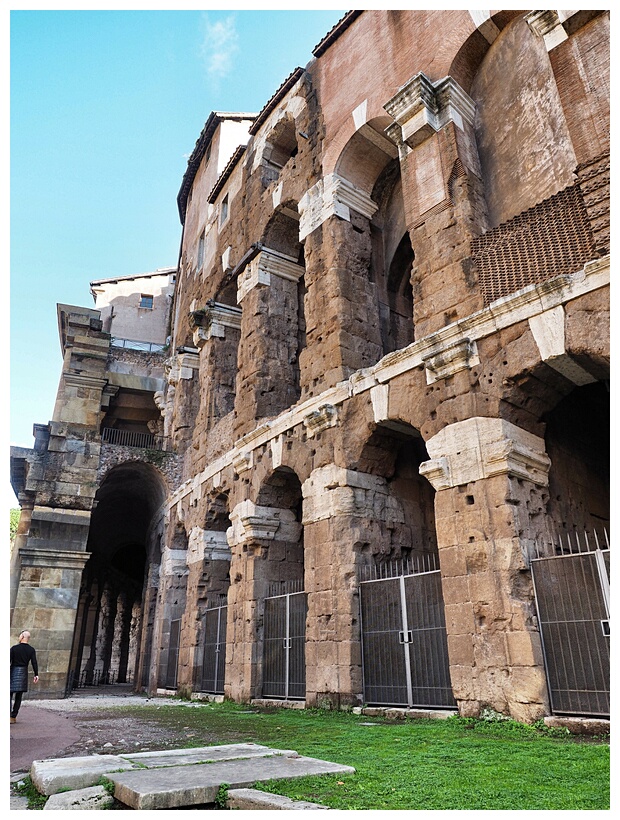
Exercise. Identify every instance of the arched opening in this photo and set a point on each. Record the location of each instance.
(110, 614)
(392, 261)
(394, 452)
(577, 440)
(370, 162)
(280, 148)
(403, 629)
(209, 578)
(285, 605)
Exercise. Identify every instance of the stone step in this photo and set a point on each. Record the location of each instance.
(254, 800)
(52, 776)
(202, 754)
(59, 774)
(198, 784)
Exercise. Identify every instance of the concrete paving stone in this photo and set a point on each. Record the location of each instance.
(181, 786)
(50, 776)
(255, 800)
(93, 798)
(203, 754)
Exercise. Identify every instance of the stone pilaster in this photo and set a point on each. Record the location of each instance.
(217, 329)
(265, 547)
(46, 604)
(342, 320)
(490, 478)
(346, 516)
(208, 565)
(182, 399)
(268, 379)
(171, 600)
(444, 197)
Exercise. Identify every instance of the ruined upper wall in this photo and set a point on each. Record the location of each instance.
(137, 307)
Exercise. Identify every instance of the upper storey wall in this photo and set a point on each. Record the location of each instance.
(545, 116)
(377, 55)
(538, 114)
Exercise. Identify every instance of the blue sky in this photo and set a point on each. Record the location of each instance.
(105, 108)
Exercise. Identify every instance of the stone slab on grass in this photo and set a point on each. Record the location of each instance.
(93, 798)
(255, 800)
(203, 754)
(194, 785)
(51, 776)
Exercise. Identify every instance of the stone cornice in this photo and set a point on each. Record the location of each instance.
(549, 25)
(517, 307)
(59, 559)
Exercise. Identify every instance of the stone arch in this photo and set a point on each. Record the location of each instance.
(279, 149)
(577, 441)
(281, 493)
(366, 154)
(474, 48)
(123, 546)
(369, 168)
(520, 152)
(403, 516)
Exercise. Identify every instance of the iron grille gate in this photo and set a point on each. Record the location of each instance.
(173, 654)
(572, 601)
(284, 661)
(214, 657)
(404, 644)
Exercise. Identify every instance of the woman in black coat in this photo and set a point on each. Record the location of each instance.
(21, 655)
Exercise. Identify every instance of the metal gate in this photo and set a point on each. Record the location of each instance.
(572, 600)
(404, 643)
(284, 660)
(214, 650)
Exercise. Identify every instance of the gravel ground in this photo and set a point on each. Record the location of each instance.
(104, 730)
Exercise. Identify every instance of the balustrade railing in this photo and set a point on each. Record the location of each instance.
(130, 438)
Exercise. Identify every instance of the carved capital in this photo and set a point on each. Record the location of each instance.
(207, 545)
(253, 523)
(480, 448)
(440, 364)
(213, 320)
(332, 196)
(321, 419)
(266, 264)
(421, 108)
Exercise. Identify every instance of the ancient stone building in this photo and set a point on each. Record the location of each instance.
(378, 464)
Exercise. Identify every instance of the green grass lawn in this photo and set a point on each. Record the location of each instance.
(417, 764)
